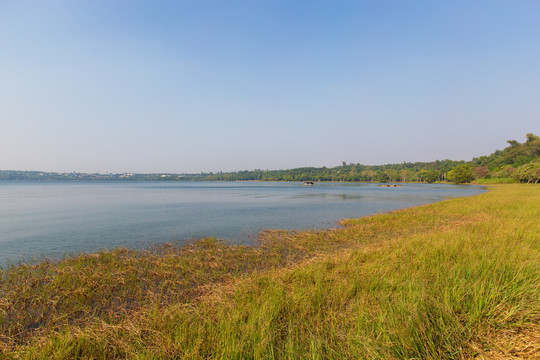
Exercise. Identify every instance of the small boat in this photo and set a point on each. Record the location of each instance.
(308, 183)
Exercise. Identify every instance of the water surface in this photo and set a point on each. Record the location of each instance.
(54, 218)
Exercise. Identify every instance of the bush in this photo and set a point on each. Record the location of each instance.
(461, 174)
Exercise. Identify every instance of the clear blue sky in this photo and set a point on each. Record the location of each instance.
(190, 86)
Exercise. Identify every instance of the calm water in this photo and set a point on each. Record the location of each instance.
(55, 218)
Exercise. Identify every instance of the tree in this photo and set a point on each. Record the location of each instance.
(481, 172)
(506, 172)
(529, 172)
(461, 174)
(382, 177)
(431, 176)
(405, 175)
(369, 175)
(531, 137)
(391, 175)
(513, 143)
(422, 174)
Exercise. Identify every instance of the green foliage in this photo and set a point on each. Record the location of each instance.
(496, 180)
(431, 176)
(515, 155)
(531, 138)
(529, 172)
(461, 174)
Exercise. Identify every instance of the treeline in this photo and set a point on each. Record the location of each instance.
(405, 172)
(519, 162)
(74, 176)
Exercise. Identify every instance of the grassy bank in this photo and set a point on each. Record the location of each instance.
(492, 181)
(455, 279)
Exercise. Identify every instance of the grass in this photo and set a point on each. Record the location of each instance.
(491, 181)
(455, 279)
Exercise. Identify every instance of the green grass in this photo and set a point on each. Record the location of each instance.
(506, 180)
(455, 279)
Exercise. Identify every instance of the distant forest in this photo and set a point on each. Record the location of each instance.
(519, 162)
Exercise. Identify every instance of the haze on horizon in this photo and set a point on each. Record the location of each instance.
(192, 86)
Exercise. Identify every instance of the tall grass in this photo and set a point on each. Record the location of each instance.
(504, 180)
(455, 279)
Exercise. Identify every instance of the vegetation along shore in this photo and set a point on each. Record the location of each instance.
(519, 162)
(455, 279)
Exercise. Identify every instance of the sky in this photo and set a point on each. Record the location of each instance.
(199, 86)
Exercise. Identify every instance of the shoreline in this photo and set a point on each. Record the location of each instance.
(105, 223)
(195, 284)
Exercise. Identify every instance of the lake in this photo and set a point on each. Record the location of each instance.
(54, 218)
